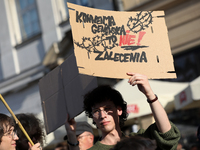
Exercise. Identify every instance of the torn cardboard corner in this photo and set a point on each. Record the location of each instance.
(62, 92)
(110, 43)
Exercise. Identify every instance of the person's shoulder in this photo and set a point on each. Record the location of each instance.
(99, 146)
(140, 132)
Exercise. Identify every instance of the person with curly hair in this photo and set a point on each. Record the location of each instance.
(8, 135)
(108, 110)
(34, 129)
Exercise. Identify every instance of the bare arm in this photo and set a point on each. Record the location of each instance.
(158, 111)
(70, 127)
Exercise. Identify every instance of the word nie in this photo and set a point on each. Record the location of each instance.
(129, 39)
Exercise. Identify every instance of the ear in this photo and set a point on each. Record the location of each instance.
(91, 138)
(119, 111)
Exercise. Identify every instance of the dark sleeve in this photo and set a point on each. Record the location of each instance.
(165, 141)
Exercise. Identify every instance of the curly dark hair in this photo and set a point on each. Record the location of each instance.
(136, 143)
(5, 121)
(104, 93)
(34, 129)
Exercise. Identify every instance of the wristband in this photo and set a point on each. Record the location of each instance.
(151, 101)
(73, 144)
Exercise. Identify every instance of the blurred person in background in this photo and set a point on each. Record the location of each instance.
(8, 136)
(84, 135)
(34, 129)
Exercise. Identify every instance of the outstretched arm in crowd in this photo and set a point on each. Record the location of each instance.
(70, 126)
(158, 111)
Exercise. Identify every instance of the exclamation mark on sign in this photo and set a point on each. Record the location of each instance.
(141, 34)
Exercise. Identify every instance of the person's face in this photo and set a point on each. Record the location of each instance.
(8, 140)
(106, 116)
(85, 140)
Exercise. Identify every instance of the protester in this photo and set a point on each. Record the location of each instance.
(84, 134)
(61, 146)
(8, 136)
(136, 143)
(34, 129)
(109, 111)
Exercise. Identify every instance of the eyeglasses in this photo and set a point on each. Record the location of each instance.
(96, 112)
(11, 134)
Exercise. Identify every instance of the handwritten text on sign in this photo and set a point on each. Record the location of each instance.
(111, 43)
(106, 25)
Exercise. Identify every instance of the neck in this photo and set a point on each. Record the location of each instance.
(112, 137)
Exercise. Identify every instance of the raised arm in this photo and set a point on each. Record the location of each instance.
(70, 126)
(158, 111)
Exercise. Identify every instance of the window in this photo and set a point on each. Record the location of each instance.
(28, 18)
(187, 65)
(61, 7)
(79, 2)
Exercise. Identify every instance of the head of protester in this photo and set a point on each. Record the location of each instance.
(8, 136)
(34, 129)
(84, 135)
(136, 142)
(111, 102)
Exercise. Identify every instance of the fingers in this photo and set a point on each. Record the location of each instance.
(29, 144)
(70, 125)
(130, 73)
(135, 78)
(34, 147)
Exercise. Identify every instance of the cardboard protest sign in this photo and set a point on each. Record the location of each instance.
(111, 43)
(62, 92)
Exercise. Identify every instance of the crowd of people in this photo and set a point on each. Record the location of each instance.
(108, 110)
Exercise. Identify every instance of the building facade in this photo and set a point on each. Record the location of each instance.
(30, 31)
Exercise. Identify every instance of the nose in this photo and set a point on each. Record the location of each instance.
(102, 113)
(16, 137)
